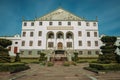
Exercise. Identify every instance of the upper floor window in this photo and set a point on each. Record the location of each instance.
(39, 43)
(50, 44)
(32, 23)
(23, 43)
(95, 34)
(59, 23)
(16, 42)
(31, 34)
(40, 33)
(88, 43)
(40, 23)
(80, 43)
(24, 34)
(94, 24)
(79, 33)
(25, 24)
(31, 43)
(69, 44)
(96, 43)
(50, 23)
(87, 24)
(69, 23)
(79, 23)
(88, 34)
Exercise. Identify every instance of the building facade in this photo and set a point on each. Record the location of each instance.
(59, 34)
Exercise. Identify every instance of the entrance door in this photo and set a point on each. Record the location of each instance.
(60, 45)
(15, 49)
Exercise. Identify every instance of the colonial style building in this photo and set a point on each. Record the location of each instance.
(58, 34)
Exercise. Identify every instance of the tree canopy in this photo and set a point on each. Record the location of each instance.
(5, 43)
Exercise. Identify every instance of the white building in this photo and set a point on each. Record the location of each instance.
(58, 34)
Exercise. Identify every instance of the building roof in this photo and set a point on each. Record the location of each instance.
(60, 14)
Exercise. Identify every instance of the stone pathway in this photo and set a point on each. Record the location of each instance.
(59, 72)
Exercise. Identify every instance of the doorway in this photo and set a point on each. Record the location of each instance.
(60, 46)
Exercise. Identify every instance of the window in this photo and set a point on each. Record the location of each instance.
(80, 43)
(59, 23)
(88, 34)
(40, 33)
(87, 24)
(69, 35)
(50, 44)
(21, 52)
(69, 23)
(30, 52)
(40, 23)
(50, 23)
(31, 43)
(97, 52)
(94, 24)
(51, 35)
(80, 52)
(79, 33)
(96, 43)
(69, 44)
(23, 43)
(24, 34)
(79, 23)
(31, 34)
(89, 52)
(16, 42)
(32, 24)
(38, 52)
(39, 43)
(88, 43)
(95, 34)
(25, 24)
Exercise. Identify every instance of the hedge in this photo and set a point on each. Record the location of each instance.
(13, 67)
(105, 66)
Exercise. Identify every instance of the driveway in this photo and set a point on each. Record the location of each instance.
(59, 72)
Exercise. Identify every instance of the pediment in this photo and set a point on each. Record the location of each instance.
(60, 14)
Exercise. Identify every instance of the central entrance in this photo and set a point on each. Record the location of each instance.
(60, 46)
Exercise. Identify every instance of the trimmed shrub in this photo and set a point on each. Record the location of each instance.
(105, 66)
(74, 63)
(13, 67)
(17, 58)
(66, 64)
(82, 61)
(50, 64)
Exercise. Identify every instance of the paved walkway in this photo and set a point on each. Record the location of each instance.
(58, 72)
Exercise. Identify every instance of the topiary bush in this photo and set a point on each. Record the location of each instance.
(66, 63)
(50, 64)
(98, 66)
(17, 58)
(13, 67)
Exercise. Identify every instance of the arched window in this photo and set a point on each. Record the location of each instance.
(69, 35)
(50, 35)
(60, 35)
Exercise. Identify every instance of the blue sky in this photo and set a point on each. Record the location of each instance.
(12, 11)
